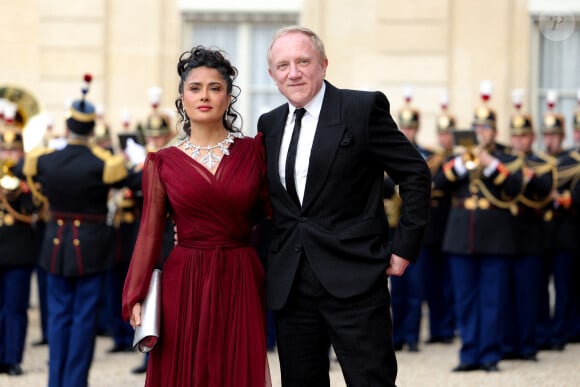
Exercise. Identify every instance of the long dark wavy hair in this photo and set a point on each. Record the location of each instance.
(200, 56)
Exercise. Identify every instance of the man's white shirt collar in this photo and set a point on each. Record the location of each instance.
(313, 107)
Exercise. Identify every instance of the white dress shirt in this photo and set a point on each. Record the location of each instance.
(307, 131)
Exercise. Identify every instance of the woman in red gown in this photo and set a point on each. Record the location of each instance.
(212, 183)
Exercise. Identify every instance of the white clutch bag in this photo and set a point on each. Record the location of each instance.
(147, 335)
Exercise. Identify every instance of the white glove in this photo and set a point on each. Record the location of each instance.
(135, 152)
(57, 143)
(459, 166)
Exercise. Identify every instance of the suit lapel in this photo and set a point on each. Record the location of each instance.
(274, 142)
(327, 138)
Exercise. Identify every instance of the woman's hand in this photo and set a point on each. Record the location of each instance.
(135, 319)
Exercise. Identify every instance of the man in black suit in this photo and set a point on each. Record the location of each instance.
(330, 258)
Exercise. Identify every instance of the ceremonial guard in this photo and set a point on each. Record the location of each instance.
(575, 316)
(105, 327)
(561, 233)
(124, 214)
(437, 284)
(520, 310)
(407, 291)
(18, 234)
(45, 139)
(76, 181)
(157, 134)
(479, 237)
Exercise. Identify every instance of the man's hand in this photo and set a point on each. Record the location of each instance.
(397, 266)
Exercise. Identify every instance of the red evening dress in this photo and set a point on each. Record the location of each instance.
(213, 312)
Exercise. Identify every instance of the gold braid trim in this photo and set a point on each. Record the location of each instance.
(82, 117)
(541, 169)
(506, 169)
(493, 200)
(574, 182)
(576, 156)
(516, 164)
(549, 159)
(30, 169)
(511, 167)
(567, 174)
(502, 175)
(39, 198)
(17, 215)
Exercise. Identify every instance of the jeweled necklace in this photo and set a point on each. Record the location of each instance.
(210, 159)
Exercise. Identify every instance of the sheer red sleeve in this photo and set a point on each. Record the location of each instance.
(148, 245)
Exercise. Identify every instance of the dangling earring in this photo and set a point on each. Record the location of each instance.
(184, 116)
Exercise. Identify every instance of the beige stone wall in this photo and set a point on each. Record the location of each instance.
(143, 43)
(18, 43)
(130, 45)
(127, 46)
(432, 45)
(489, 41)
(70, 40)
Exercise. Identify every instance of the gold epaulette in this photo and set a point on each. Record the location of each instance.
(575, 155)
(516, 164)
(541, 168)
(30, 167)
(435, 161)
(547, 158)
(115, 169)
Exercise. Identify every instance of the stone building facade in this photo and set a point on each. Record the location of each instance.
(433, 46)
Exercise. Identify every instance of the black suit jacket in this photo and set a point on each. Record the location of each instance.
(341, 226)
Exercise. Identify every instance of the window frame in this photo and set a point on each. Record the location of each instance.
(244, 22)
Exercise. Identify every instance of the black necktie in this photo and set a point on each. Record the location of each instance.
(291, 158)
